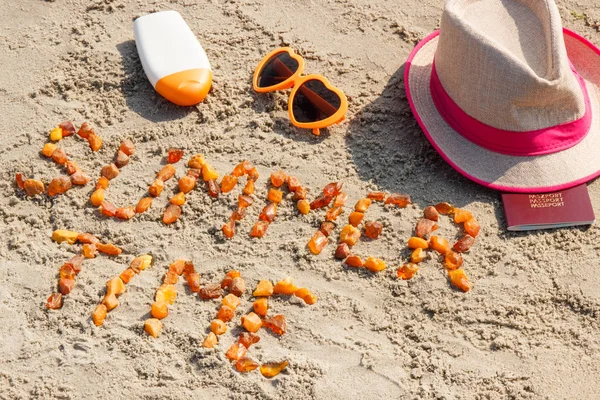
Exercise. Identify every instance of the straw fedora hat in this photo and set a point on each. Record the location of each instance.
(507, 96)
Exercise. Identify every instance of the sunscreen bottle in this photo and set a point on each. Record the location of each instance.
(173, 59)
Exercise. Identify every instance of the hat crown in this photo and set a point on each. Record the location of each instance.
(504, 63)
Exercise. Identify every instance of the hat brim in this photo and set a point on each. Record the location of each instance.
(527, 174)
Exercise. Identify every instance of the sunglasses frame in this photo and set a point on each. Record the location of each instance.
(295, 82)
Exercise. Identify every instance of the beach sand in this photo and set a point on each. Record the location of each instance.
(529, 328)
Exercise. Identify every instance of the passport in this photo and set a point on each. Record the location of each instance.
(529, 211)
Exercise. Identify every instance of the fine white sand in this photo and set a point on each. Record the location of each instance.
(529, 328)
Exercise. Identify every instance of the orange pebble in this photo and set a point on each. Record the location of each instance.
(245, 364)
(464, 243)
(110, 301)
(472, 227)
(166, 173)
(251, 322)
(108, 248)
(377, 196)
(247, 339)
(373, 229)
(270, 370)
(121, 159)
(231, 300)
(166, 293)
(306, 295)
(342, 251)
(209, 173)
(317, 243)
(228, 183)
(54, 302)
(375, 264)
(85, 130)
(269, 212)
(417, 243)
(89, 250)
(99, 314)
(293, 183)
(65, 285)
(156, 187)
(125, 212)
(177, 267)
(453, 260)
(407, 271)
(174, 155)
(276, 323)
(425, 227)
(275, 195)
(159, 310)
(210, 341)
(33, 187)
(299, 194)
(459, 279)
(259, 229)
(102, 183)
(186, 183)
(431, 213)
(152, 327)
(244, 201)
(143, 205)
(59, 156)
(218, 327)
(340, 199)
(397, 199)
(349, 235)
(333, 213)
(196, 161)
(127, 147)
(178, 199)
(171, 214)
(225, 313)
(249, 188)
(261, 306)
(285, 287)
(79, 178)
(439, 244)
(355, 218)
(127, 275)
(354, 261)
(264, 288)
(417, 255)
(97, 197)
(236, 351)
(71, 167)
(110, 171)
(229, 229)
(108, 209)
(238, 170)
(461, 215)
(48, 149)
(278, 178)
(116, 286)
(303, 206)
(94, 141)
(362, 205)
(238, 286)
(59, 186)
(444, 208)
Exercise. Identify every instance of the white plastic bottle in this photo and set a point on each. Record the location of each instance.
(173, 59)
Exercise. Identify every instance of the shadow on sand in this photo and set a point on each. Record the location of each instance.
(389, 149)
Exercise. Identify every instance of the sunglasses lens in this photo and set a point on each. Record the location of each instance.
(314, 102)
(277, 69)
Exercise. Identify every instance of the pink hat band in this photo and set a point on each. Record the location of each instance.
(514, 143)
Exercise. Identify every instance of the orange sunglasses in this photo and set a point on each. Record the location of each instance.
(314, 103)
